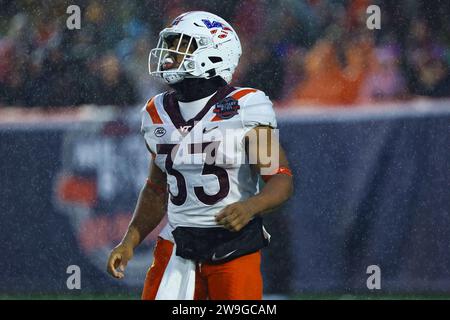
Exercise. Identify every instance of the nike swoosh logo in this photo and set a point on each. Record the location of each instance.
(214, 258)
(206, 130)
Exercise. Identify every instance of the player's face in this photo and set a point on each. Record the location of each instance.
(186, 46)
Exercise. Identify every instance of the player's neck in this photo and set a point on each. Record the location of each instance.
(191, 89)
(190, 109)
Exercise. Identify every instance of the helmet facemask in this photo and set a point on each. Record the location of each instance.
(173, 57)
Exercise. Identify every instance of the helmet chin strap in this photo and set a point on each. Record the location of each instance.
(173, 77)
(191, 89)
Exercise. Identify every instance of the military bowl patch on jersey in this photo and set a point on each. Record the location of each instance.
(227, 108)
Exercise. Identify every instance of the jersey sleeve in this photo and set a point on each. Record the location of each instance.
(146, 121)
(146, 125)
(258, 111)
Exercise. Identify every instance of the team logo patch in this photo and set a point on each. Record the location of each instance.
(159, 132)
(227, 108)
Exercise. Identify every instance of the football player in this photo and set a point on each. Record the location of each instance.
(211, 143)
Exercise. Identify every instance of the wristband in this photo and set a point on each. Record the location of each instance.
(280, 170)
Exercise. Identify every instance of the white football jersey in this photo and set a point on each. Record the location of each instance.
(204, 158)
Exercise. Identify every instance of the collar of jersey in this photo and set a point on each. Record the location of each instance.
(172, 107)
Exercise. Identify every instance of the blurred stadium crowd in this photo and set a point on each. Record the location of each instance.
(300, 52)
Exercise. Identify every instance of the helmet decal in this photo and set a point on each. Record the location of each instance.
(212, 24)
